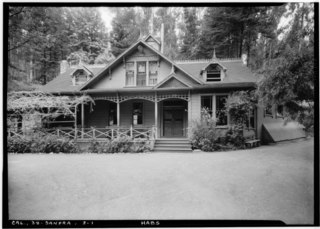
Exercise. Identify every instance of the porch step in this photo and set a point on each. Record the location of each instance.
(172, 145)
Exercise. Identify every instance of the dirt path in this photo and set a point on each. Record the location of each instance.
(269, 182)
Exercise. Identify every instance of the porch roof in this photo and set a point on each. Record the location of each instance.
(151, 89)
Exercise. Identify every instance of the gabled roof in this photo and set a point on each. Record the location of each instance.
(170, 77)
(129, 51)
(63, 82)
(236, 71)
(151, 36)
(81, 67)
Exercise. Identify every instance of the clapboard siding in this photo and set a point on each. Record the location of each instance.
(195, 107)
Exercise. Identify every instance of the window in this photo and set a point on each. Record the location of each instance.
(112, 114)
(137, 113)
(141, 73)
(213, 73)
(213, 76)
(153, 72)
(280, 111)
(129, 73)
(206, 102)
(222, 118)
(81, 77)
(250, 120)
(268, 111)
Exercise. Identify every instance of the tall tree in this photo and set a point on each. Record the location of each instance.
(167, 16)
(190, 31)
(289, 76)
(125, 30)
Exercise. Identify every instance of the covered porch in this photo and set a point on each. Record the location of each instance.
(150, 115)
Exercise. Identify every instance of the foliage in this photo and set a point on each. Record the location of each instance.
(119, 145)
(289, 74)
(125, 30)
(41, 143)
(48, 105)
(190, 36)
(207, 137)
(238, 105)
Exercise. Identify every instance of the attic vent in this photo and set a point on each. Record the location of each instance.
(213, 75)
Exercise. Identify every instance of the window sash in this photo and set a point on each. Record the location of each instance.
(222, 117)
(129, 73)
(137, 114)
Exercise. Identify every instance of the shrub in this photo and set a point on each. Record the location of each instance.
(207, 137)
(119, 145)
(41, 143)
(18, 145)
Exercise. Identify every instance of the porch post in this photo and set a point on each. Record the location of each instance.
(75, 122)
(156, 115)
(189, 114)
(118, 110)
(82, 115)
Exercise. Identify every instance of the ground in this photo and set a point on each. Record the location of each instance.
(269, 182)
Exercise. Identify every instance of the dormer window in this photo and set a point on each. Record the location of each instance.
(213, 76)
(213, 73)
(80, 77)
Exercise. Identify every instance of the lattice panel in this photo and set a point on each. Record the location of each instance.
(173, 96)
(109, 98)
(123, 98)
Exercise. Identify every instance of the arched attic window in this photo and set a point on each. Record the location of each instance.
(213, 73)
(80, 76)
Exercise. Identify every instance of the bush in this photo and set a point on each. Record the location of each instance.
(18, 145)
(41, 143)
(207, 137)
(119, 145)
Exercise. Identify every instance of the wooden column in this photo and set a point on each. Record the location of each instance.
(118, 110)
(75, 122)
(82, 115)
(189, 114)
(156, 115)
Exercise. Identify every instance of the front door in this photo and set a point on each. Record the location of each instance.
(173, 121)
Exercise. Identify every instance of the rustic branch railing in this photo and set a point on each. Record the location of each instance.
(95, 133)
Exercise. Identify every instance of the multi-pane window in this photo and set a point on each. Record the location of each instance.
(130, 73)
(206, 103)
(153, 72)
(141, 73)
(137, 113)
(112, 114)
(222, 117)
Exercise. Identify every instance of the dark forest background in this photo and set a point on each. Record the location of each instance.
(278, 41)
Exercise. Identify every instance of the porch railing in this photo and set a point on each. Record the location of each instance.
(96, 133)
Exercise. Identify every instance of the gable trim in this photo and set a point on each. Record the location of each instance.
(171, 76)
(82, 68)
(152, 38)
(120, 57)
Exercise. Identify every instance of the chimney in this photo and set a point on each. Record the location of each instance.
(162, 37)
(64, 65)
(244, 58)
(151, 22)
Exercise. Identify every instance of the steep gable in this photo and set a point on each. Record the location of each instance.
(114, 76)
